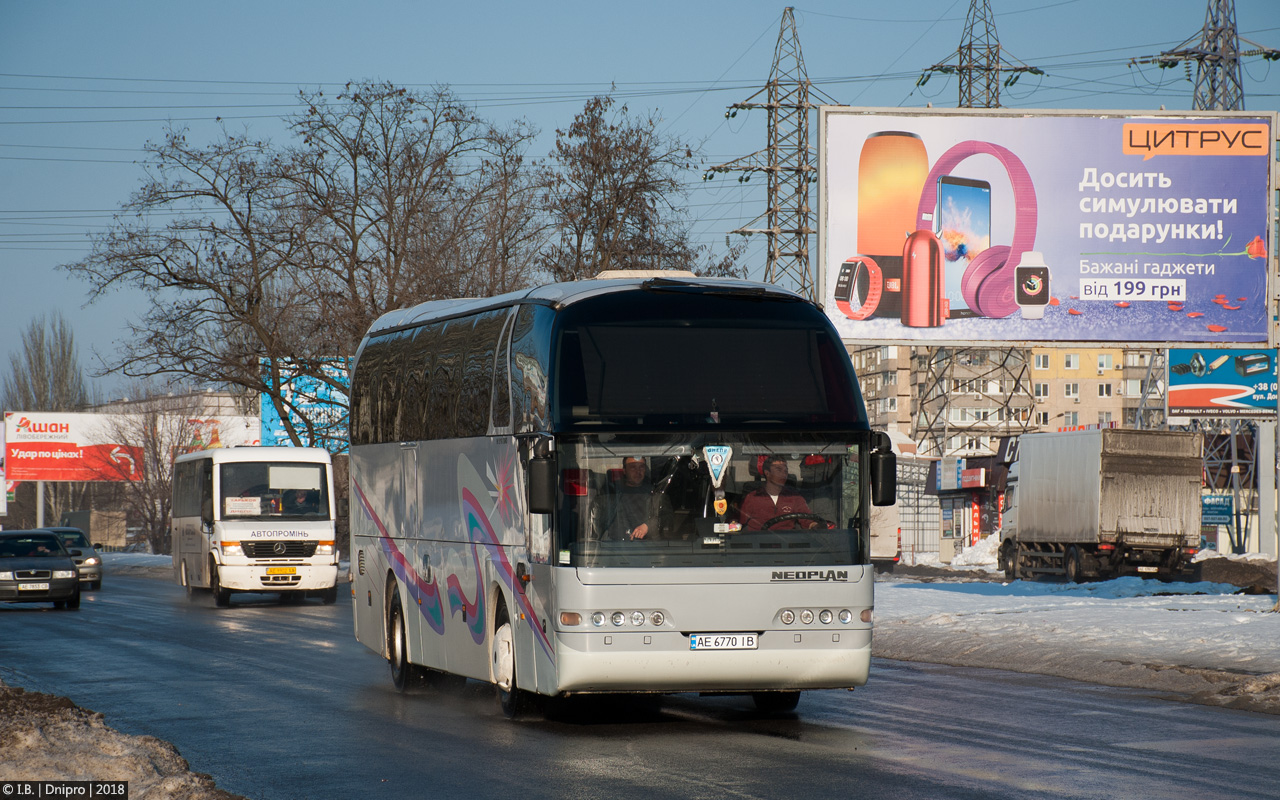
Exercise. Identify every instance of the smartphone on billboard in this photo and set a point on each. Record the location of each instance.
(962, 222)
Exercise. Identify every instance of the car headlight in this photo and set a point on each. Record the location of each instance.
(92, 561)
(64, 573)
(6, 576)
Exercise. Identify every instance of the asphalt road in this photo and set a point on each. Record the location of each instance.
(280, 701)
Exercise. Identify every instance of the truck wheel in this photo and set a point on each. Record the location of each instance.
(1008, 560)
(329, 596)
(1071, 565)
(775, 702)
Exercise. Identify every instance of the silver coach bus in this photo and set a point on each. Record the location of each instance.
(648, 485)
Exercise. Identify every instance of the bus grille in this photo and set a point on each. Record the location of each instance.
(279, 549)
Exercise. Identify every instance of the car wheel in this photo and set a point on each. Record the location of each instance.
(95, 586)
(73, 602)
(776, 702)
(221, 597)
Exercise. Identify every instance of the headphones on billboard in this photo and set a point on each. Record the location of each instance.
(988, 281)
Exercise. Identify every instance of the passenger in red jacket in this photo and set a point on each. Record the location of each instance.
(773, 500)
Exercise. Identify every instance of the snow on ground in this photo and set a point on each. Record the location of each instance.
(1201, 639)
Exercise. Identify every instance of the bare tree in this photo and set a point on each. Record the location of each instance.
(45, 375)
(268, 263)
(156, 429)
(613, 189)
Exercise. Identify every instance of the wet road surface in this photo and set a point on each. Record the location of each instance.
(280, 701)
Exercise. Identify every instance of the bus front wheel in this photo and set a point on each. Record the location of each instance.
(776, 702)
(511, 699)
(402, 672)
(221, 596)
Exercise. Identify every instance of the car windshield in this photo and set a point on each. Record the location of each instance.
(36, 546)
(274, 490)
(650, 501)
(73, 539)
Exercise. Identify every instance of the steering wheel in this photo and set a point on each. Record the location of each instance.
(767, 524)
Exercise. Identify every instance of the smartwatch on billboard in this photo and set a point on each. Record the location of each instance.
(1031, 280)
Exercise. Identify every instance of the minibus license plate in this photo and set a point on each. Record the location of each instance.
(282, 570)
(33, 587)
(723, 641)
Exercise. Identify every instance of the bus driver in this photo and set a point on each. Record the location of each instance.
(632, 509)
(774, 499)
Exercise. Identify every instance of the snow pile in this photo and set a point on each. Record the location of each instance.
(982, 554)
(1198, 639)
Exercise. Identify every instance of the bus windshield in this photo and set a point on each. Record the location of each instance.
(257, 490)
(651, 501)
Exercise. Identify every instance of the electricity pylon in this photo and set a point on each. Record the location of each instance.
(787, 162)
(998, 377)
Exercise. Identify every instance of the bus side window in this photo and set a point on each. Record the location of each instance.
(530, 363)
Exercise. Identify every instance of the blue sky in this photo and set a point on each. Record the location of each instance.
(83, 85)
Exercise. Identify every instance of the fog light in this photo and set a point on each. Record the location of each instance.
(637, 617)
(825, 617)
(787, 616)
(619, 618)
(806, 616)
(657, 618)
(597, 618)
(846, 616)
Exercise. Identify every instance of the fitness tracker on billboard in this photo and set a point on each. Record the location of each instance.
(853, 300)
(962, 223)
(1031, 285)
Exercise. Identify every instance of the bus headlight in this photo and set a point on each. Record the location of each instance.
(787, 616)
(637, 617)
(846, 616)
(619, 618)
(806, 617)
(657, 618)
(825, 616)
(597, 619)
(232, 549)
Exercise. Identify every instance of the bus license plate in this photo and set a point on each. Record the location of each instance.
(33, 587)
(282, 570)
(723, 641)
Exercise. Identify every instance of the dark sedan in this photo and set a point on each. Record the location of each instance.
(35, 567)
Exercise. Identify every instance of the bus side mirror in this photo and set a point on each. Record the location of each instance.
(542, 485)
(884, 478)
(206, 511)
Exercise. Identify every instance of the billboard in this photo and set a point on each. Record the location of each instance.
(56, 446)
(996, 226)
(67, 447)
(1222, 383)
(310, 400)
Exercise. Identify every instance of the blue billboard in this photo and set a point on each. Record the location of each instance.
(317, 408)
(1222, 383)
